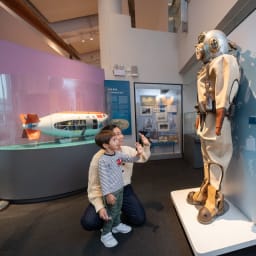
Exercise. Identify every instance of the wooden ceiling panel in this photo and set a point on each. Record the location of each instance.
(86, 46)
(60, 10)
(75, 21)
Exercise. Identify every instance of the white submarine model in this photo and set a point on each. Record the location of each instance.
(63, 124)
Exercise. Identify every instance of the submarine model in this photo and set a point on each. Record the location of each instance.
(63, 124)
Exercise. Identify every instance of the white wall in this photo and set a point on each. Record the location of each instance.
(152, 51)
(239, 183)
(244, 35)
(189, 97)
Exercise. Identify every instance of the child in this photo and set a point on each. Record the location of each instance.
(110, 174)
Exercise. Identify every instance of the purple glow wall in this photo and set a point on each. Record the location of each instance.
(41, 83)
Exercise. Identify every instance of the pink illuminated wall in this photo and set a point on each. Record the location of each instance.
(37, 82)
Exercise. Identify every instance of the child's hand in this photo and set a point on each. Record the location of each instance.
(144, 140)
(111, 199)
(103, 214)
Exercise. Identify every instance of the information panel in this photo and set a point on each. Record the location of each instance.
(118, 104)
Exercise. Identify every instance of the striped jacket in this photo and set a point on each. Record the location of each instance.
(110, 171)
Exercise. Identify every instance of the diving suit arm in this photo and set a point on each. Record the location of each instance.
(220, 114)
(197, 121)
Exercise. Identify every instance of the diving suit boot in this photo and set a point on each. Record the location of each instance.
(213, 207)
(199, 197)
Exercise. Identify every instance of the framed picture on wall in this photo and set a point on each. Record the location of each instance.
(163, 126)
(147, 100)
(145, 111)
(161, 116)
(156, 109)
(171, 108)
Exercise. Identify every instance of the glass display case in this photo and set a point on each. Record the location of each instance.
(45, 110)
(189, 122)
(192, 145)
(158, 110)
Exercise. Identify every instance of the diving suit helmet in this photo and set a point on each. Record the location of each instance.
(211, 44)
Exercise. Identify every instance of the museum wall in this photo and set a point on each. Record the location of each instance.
(153, 52)
(241, 175)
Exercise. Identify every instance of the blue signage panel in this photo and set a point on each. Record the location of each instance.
(119, 104)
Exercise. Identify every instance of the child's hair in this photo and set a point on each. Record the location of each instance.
(103, 137)
(110, 127)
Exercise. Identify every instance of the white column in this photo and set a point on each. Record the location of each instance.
(107, 9)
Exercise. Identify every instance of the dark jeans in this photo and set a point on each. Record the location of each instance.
(133, 212)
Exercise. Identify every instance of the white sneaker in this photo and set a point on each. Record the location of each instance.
(108, 240)
(121, 228)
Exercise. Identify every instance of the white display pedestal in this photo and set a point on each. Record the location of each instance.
(229, 232)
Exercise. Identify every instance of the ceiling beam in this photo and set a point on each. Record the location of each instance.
(23, 9)
(131, 6)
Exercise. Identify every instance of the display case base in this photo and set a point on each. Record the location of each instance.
(44, 171)
(229, 232)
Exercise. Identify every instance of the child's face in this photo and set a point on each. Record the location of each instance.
(114, 143)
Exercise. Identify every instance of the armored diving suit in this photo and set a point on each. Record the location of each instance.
(217, 85)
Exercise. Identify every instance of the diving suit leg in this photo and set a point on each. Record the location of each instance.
(199, 197)
(214, 205)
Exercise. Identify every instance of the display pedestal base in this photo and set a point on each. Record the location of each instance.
(230, 232)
